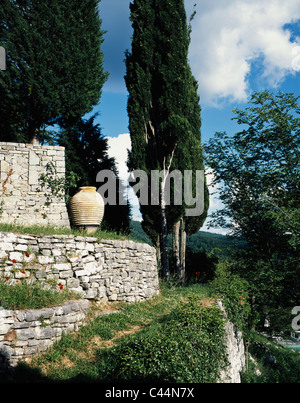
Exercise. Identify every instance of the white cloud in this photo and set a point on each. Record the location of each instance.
(229, 35)
(118, 148)
(214, 203)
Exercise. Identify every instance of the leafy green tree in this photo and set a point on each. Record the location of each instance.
(258, 171)
(158, 80)
(54, 64)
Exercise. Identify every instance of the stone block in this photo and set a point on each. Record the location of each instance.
(33, 158)
(62, 267)
(25, 334)
(21, 247)
(16, 256)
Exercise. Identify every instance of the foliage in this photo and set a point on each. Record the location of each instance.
(188, 347)
(86, 151)
(31, 296)
(54, 64)
(258, 173)
(234, 292)
(275, 363)
(58, 186)
(163, 107)
(138, 233)
(200, 266)
(274, 285)
(259, 167)
(220, 245)
(174, 322)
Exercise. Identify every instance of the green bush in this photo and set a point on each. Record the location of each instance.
(187, 346)
(234, 292)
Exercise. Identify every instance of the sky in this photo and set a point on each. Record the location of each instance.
(237, 47)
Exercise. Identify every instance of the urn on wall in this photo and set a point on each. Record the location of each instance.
(87, 209)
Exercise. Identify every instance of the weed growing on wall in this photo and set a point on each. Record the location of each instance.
(56, 185)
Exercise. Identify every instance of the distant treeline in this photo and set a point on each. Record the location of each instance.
(202, 241)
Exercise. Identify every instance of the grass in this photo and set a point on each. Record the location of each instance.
(175, 337)
(50, 230)
(31, 296)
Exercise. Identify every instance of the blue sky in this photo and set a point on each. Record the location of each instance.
(237, 47)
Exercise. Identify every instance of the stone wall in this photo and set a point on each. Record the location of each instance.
(116, 270)
(26, 333)
(97, 270)
(235, 352)
(22, 199)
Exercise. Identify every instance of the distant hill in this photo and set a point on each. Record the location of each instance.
(138, 233)
(201, 241)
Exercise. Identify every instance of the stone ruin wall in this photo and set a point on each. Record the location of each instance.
(23, 200)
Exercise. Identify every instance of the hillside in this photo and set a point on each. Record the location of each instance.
(205, 241)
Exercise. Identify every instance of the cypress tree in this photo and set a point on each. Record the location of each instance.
(189, 156)
(159, 82)
(54, 64)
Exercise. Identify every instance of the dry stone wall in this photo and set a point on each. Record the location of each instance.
(24, 334)
(107, 269)
(23, 200)
(116, 270)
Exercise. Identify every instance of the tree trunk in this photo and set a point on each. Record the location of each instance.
(164, 233)
(35, 136)
(176, 251)
(182, 250)
(164, 246)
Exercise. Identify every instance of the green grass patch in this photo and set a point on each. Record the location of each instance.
(31, 296)
(50, 230)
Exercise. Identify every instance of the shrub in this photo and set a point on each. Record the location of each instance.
(234, 292)
(276, 363)
(187, 346)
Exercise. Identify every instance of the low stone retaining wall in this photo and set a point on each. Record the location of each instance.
(26, 333)
(106, 269)
(116, 270)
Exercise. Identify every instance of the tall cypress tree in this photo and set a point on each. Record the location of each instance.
(54, 64)
(189, 156)
(158, 79)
